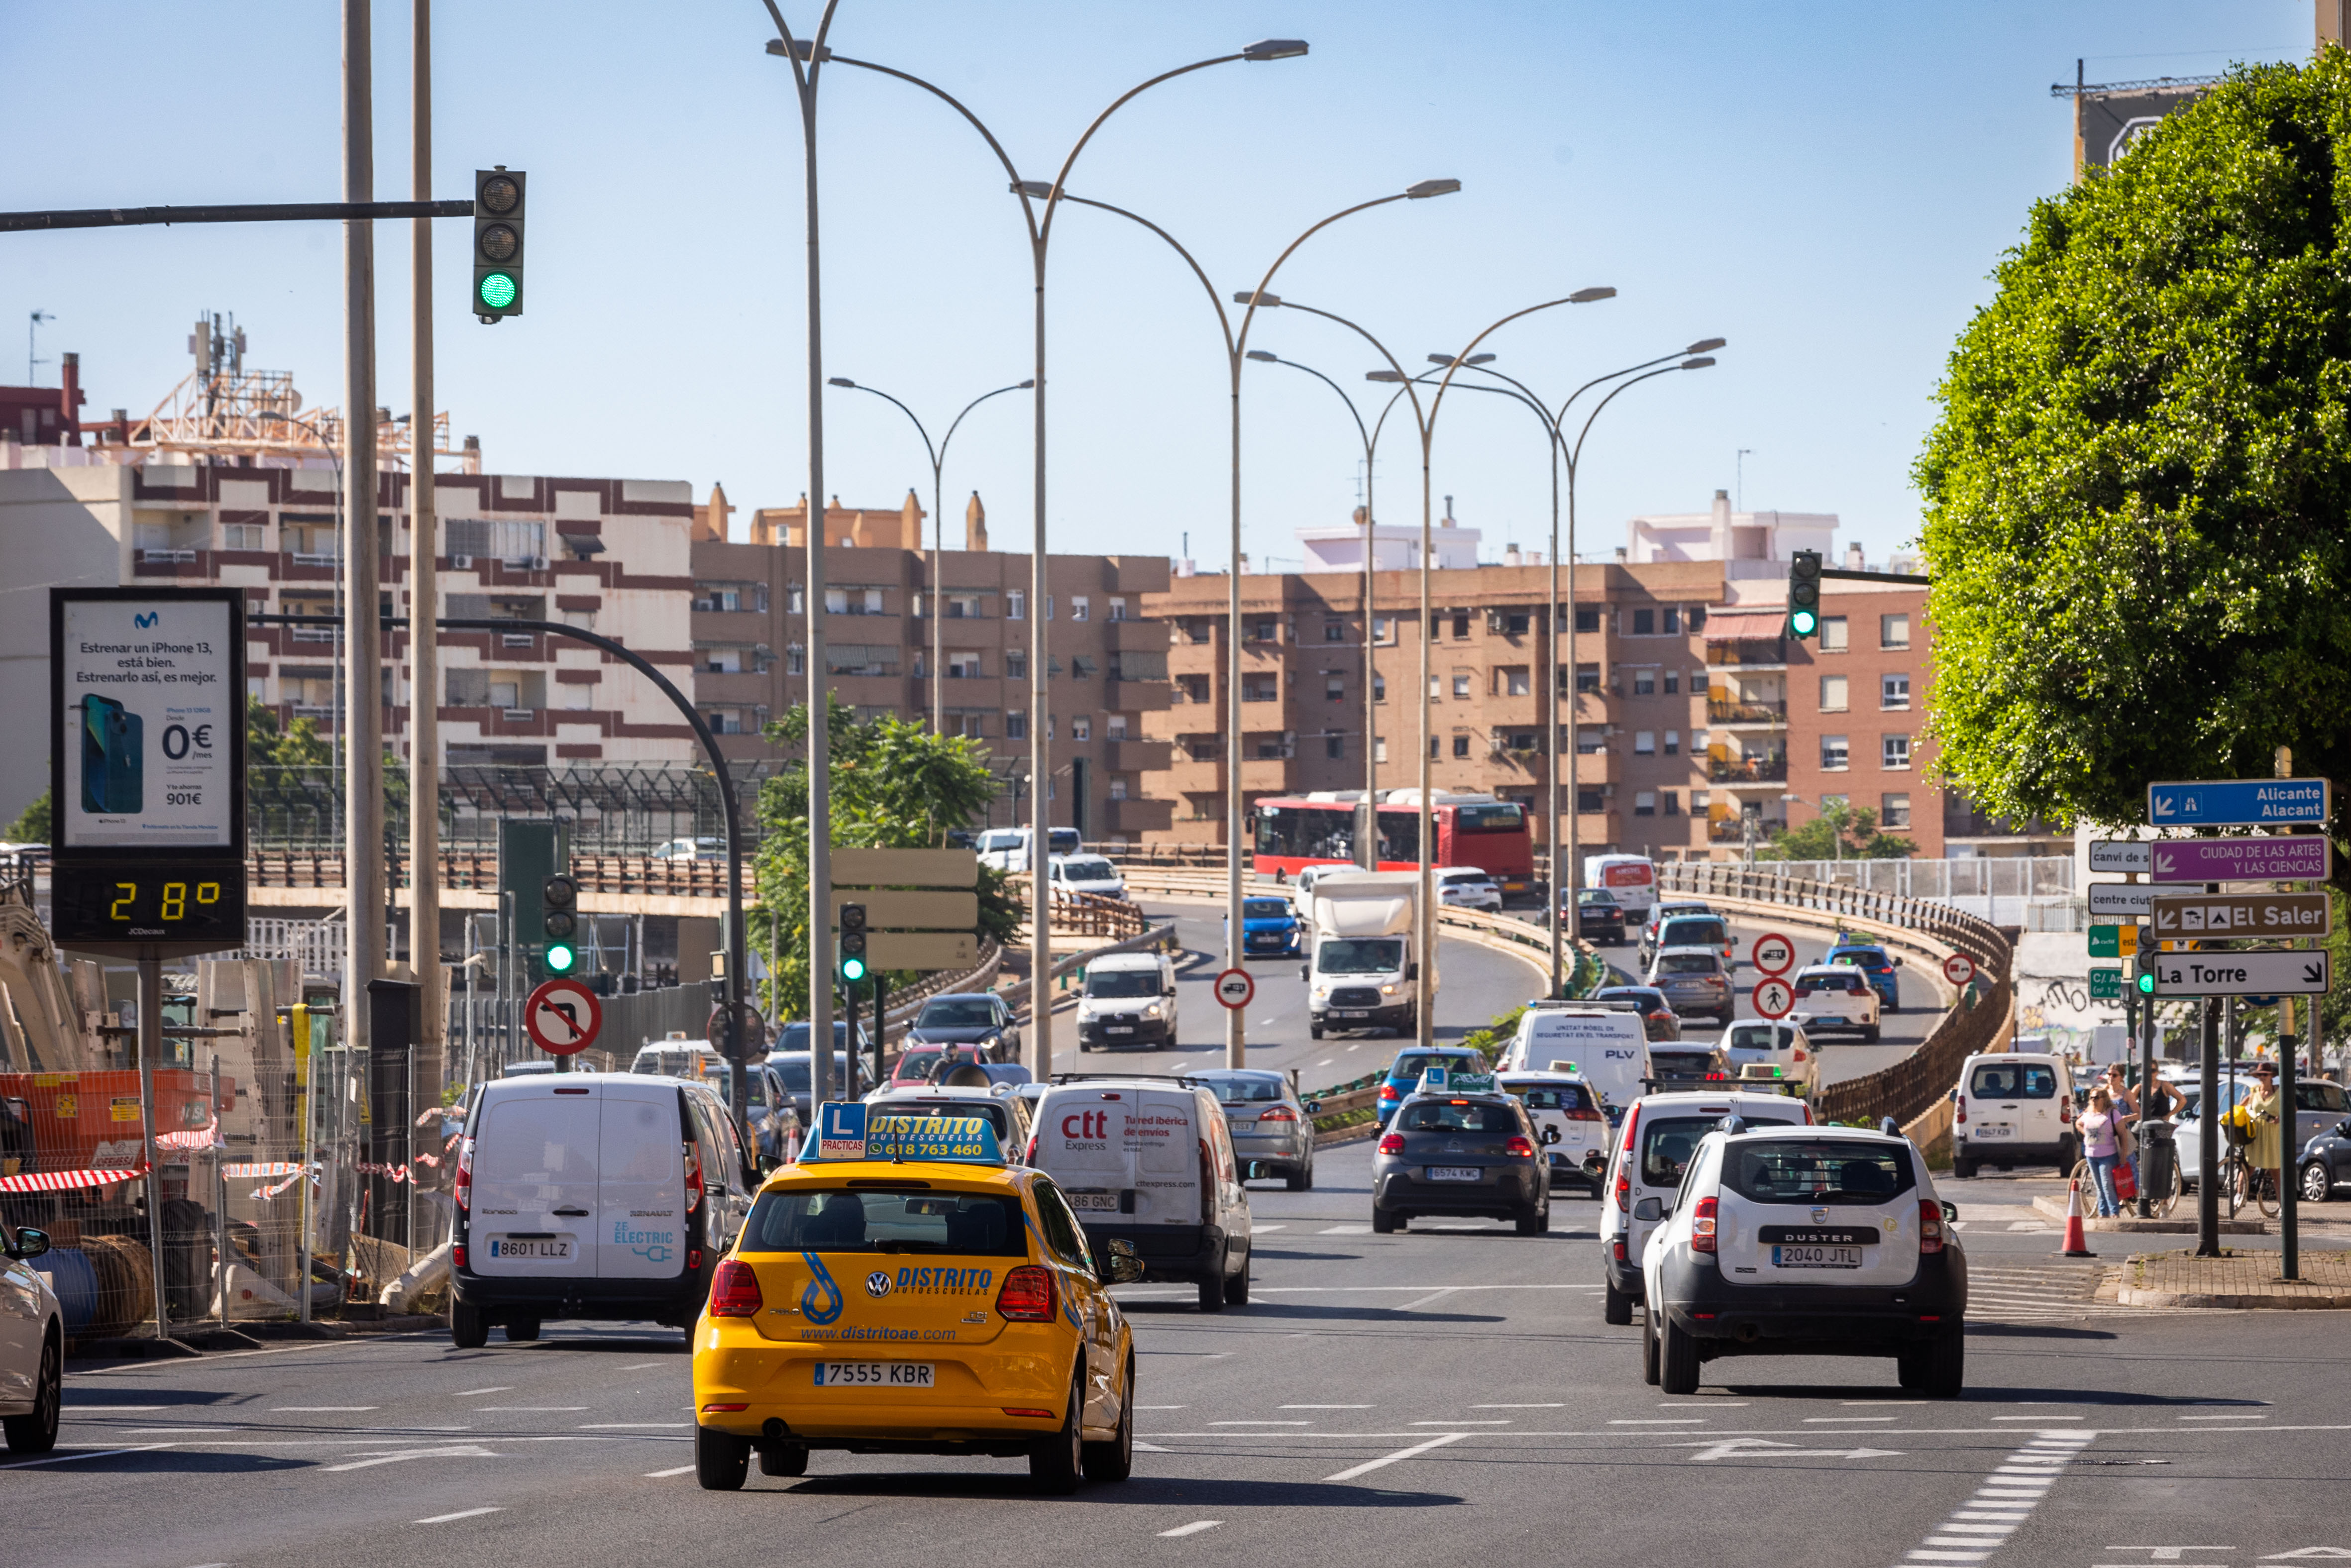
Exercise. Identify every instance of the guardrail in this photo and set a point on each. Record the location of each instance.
(476, 869)
(1075, 914)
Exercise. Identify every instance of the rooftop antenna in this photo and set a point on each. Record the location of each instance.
(32, 365)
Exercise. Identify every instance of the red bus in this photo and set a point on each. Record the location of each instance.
(1297, 832)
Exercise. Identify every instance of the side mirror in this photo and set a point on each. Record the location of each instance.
(1649, 1208)
(1313, 1107)
(1951, 1211)
(29, 1243)
(1124, 1267)
(1169, 991)
(1253, 1171)
(1551, 1134)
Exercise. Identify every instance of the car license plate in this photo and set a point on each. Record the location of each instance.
(511, 1247)
(1816, 1257)
(873, 1373)
(1118, 1029)
(1989, 1132)
(1454, 1173)
(1096, 1202)
(1351, 1012)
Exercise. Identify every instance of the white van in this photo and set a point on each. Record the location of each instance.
(1632, 879)
(1149, 1161)
(1608, 1048)
(591, 1194)
(1006, 849)
(2011, 1109)
(1128, 999)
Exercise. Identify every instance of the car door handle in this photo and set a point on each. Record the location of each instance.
(570, 1213)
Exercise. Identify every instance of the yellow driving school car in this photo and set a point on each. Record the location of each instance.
(902, 1289)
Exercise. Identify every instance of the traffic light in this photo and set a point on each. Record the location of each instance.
(497, 243)
(852, 942)
(559, 903)
(1804, 593)
(2143, 968)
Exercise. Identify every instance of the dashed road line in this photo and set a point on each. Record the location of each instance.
(1193, 1528)
(463, 1513)
(1401, 1454)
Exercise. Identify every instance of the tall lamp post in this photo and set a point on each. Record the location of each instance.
(938, 455)
(1039, 200)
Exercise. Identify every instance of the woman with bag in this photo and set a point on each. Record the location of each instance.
(2100, 1130)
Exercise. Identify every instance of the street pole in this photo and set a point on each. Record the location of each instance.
(151, 1050)
(363, 876)
(2208, 1133)
(425, 592)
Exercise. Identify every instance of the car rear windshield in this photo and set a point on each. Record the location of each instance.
(1458, 1116)
(1809, 984)
(1815, 1170)
(1689, 963)
(1666, 1143)
(1689, 933)
(2318, 1096)
(1681, 1063)
(1413, 1064)
(1233, 1090)
(1265, 909)
(1555, 1097)
(2012, 1081)
(1754, 1037)
(795, 1074)
(1122, 982)
(957, 1012)
(1863, 957)
(1647, 995)
(835, 1219)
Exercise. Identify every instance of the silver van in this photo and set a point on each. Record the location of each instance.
(606, 1196)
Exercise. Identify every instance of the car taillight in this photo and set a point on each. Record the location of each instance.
(1930, 1226)
(1390, 1092)
(1583, 1113)
(1027, 1296)
(2065, 1110)
(1632, 1120)
(458, 1253)
(1392, 1143)
(1619, 1245)
(1718, 1077)
(693, 1178)
(1623, 1188)
(1278, 1113)
(1799, 1053)
(464, 1189)
(1702, 1226)
(1960, 1112)
(734, 1291)
(1520, 1148)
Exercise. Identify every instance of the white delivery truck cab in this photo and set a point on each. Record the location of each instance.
(1607, 1047)
(1150, 1161)
(1362, 968)
(1632, 879)
(592, 1194)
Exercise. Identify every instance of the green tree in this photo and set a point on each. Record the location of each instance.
(33, 827)
(2135, 492)
(267, 742)
(1841, 832)
(895, 784)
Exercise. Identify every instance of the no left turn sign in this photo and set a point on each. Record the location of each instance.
(1774, 998)
(1958, 968)
(1236, 989)
(1771, 954)
(563, 1017)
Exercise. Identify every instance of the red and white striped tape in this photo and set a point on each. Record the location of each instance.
(66, 1181)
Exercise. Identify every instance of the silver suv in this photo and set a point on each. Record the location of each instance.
(1694, 980)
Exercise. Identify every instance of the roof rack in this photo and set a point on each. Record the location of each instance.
(1185, 1078)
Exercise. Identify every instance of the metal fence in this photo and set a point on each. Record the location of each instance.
(610, 808)
(2032, 893)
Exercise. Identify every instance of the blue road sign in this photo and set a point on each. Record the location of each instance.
(2238, 802)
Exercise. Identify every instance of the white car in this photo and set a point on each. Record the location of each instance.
(1006, 849)
(1804, 1242)
(1837, 996)
(701, 849)
(1570, 1121)
(1466, 887)
(1087, 874)
(1781, 1045)
(32, 1347)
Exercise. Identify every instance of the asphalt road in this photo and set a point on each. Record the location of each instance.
(1448, 1395)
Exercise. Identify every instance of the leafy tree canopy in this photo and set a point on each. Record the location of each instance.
(1841, 832)
(2136, 496)
(33, 827)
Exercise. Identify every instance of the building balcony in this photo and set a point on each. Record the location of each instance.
(733, 686)
(1722, 712)
(1137, 756)
(1266, 775)
(1737, 771)
(1134, 816)
(1139, 696)
(1768, 654)
(1186, 776)
(1147, 636)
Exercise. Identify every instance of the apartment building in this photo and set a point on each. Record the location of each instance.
(1106, 668)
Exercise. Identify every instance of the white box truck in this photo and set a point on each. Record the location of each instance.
(1362, 968)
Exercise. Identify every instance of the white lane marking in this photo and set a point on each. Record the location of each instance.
(1866, 1403)
(1353, 1230)
(1193, 1528)
(1358, 1046)
(113, 1409)
(91, 1454)
(1175, 1067)
(1401, 1454)
(316, 1409)
(462, 1451)
(1432, 1296)
(501, 1388)
(1979, 1526)
(2247, 1416)
(1709, 1404)
(540, 1409)
(1326, 1062)
(1140, 1447)
(1260, 1423)
(688, 1469)
(1463, 1423)
(1660, 1421)
(466, 1513)
(1265, 1229)
(636, 1366)
(630, 1426)
(1553, 1405)
(1843, 1420)
(1326, 1407)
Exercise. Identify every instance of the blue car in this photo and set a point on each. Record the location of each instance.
(1404, 1074)
(1876, 964)
(1270, 929)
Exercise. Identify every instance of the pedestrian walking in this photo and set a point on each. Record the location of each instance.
(2100, 1130)
(2261, 1118)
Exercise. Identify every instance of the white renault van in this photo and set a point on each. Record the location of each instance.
(1128, 999)
(591, 1194)
(1149, 1161)
(1607, 1047)
(2014, 1109)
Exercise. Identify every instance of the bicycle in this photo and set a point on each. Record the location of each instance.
(2245, 1183)
(2160, 1202)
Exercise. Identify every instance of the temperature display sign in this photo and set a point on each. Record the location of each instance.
(191, 902)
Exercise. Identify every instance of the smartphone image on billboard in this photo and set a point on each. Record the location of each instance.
(113, 758)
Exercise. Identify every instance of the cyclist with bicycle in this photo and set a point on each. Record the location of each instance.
(2260, 1116)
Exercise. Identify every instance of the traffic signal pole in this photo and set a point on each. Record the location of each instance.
(423, 588)
(362, 731)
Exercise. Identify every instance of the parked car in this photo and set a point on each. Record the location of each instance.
(1694, 980)
(2319, 1106)
(1597, 917)
(1466, 887)
(967, 1018)
(1877, 964)
(1453, 1154)
(1006, 849)
(1837, 996)
(1656, 1013)
(1087, 874)
(706, 848)
(2325, 1163)
(1272, 1128)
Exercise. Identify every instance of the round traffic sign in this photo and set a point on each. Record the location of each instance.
(1235, 987)
(1774, 998)
(1958, 968)
(563, 1017)
(1771, 954)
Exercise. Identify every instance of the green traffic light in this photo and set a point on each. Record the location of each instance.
(497, 290)
(560, 957)
(2146, 984)
(853, 969)
(1805, 622)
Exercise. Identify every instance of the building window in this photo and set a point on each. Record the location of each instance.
(1699, 799)
(1833, 634)
(1334, 631)
(1260, 688)
(1384, 629)
(1645, 803)
(1673, 802)
(1118, 786)
(1894, 751)
(1081, 608)
(1588, 677)
(1460, 626)
(1016, 665)
(1080, 727)
(1644, 683)
(1334, 689)
(1460, 745)
(1895, 812)
(1587, 620)
(1894, 630)
(1645, 743)
(1517, 681)
(1016, 605)
(1673, 742)
(1523, 740)
(1835, 802)
(1645, 623)
(1048, 606)
(1334, 745)
(962, 666)
(1432, 749)
(1673, 682)
(1698, 743)
(1832, 753)
(1591, 738)
(1265, 629)
(1833, 693)
(1590, 800)
(240, 536)
(795, 600)
(1118, 606)
(794, 660)
(1016, 725)
(1515, 624)
(1117, 727)
(1894, 690)
(1670, 620)
(1379, 688)
(1460, 685)
(1379, 749)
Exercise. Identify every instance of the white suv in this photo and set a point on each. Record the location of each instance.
(1466, 887)
(1781, 1045)
(1651, 1154)
(1837, 995)
(1804, 1242)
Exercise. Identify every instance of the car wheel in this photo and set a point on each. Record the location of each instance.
(1943, 1365)
(1963, 1170)
(522, 1331)
(1314, 1032)
(2316, 1185)
(1649, 1373)
(1870, 1034)
(721, 1459)
(1236, 1288)
(1676, 1358)
(1212, 1295)
(1616, 1307)
(1056, 1462)
(1298, 1179)
(1114, 1460)
(36, 1431)
(1538, 1223)
(784, 1459)
(1383, 1223)
(468, 1330)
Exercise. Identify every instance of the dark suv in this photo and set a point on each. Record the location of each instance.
(1598, 917)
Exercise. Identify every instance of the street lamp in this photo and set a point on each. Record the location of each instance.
(1836, 828)
(938, 455)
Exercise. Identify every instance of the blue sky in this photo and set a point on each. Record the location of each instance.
(1827, 186)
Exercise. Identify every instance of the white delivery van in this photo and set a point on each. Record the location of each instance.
(1632, 879)
(1128, 999)
(591, 1194)
(1149, 1161)
(2013, 1108)
(1361, 967)
(1606, 1047)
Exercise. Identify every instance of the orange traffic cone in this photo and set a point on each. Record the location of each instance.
(2077, 1244)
